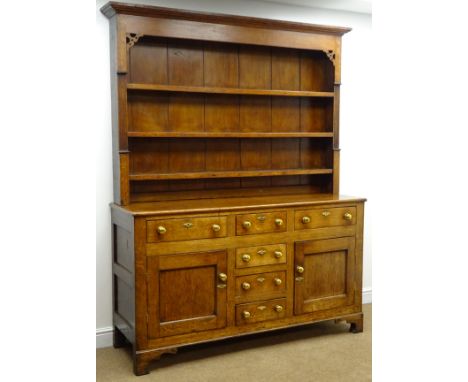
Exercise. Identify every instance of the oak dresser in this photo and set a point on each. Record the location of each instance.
(227, 218)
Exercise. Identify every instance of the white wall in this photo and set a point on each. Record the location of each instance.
(355, 123)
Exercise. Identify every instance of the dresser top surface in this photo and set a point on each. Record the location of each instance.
(233, 204)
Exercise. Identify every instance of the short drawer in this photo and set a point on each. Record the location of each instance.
(261, 285)
(250, 224)
(260, 311)
(186, 228)
(324, 217)
(260, 255)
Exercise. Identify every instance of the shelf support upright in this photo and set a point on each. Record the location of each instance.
(336, 115)
(119, 68)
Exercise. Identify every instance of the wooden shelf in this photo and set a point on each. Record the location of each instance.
(228, 174)
(239, 91)
(219, 134)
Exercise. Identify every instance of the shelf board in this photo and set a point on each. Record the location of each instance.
(228, 174)
(216, 90)
(219, 134)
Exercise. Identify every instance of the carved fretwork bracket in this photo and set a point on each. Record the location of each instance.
(331, 55)
(132, 39)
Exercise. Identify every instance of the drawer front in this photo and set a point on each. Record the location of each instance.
(324, 217)
(186, 229)
(260, 311)
(250, 224)
(260, 255)
(262, 284)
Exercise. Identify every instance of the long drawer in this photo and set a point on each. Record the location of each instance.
(186, 229)
(324, 217)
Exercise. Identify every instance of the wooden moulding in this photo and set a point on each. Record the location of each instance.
(112, 8)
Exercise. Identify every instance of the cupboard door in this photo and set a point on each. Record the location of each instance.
(186, 293)
(324, 274)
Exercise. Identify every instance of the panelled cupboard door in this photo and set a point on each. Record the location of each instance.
(324, 274)
(186, 293)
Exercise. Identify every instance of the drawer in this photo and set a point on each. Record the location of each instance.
(186, 228)
(260, 311)
(261, 255)
(261, 284)
(324, 217)
(250, 224)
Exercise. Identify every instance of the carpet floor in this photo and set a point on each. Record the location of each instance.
(322, 352)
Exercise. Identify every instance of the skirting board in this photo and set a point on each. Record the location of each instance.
(367, 296)
(104, 335)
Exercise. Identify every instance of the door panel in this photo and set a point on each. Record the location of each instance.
(185, 293)
(176, 304)
(324, 274)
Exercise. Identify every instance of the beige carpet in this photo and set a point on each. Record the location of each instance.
(323, 352)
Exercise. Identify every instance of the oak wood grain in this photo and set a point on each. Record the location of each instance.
(225, 137)
(327, 279)
(228, 174)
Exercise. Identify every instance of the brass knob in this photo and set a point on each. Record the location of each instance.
(300, 269)
(162, 230)
(277, 281)
(246, 224)
(222, 277)
(245, 286)
(279, 222)
(246, 314)
(348, 216)
(278, 254)
(278, 308)
(261, 252)
(215, 227)
(246, 257)
(305, 220)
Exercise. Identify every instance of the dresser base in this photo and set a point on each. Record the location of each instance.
(143, 359)
(197, 275)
